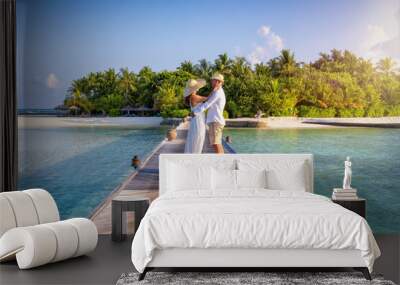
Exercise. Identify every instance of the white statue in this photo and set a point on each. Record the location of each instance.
(347, 174)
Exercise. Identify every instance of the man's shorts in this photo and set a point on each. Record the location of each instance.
(215, 133)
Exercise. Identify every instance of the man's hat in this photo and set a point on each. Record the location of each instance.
(218, 76)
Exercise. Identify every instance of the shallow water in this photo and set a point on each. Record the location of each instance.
(375, 154)
(81, 166)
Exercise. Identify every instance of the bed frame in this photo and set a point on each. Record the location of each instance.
(237, 259)
(246, 259)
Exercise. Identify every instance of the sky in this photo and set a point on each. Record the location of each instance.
(61, 40)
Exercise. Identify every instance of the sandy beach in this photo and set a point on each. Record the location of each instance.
(55, 122)
(306, 123)
(145, 122)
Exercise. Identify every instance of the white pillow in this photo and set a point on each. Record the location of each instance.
(224, 179)
(184, 177)
(251, 178)
(282, 174)
(289, 176)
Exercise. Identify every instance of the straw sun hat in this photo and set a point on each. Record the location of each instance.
(193, 85)
(218, 76)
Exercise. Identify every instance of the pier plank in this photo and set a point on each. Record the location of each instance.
(143, 182)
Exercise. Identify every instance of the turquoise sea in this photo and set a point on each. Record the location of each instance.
(81, 166)
(375, 154)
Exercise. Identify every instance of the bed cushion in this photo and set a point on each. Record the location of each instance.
(184, 177)
(251, 179)
(289, 175)
(223, 179)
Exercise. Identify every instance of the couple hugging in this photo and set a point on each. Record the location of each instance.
(215, 104)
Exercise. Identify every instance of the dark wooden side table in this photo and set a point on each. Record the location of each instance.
(358, 206)
(121, 204)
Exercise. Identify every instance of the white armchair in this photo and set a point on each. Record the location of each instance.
(31, 230)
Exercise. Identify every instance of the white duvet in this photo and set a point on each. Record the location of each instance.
(250, 219)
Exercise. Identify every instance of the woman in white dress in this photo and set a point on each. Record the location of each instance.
(197, 127)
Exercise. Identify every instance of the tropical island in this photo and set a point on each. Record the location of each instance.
(338, 84)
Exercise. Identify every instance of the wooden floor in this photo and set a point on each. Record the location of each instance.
(110, 259)
(145, 181)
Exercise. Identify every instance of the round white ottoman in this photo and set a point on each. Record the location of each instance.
(40, 244)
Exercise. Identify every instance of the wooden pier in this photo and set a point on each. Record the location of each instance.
(144, 182)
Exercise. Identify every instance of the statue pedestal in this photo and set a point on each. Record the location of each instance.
(344, 194)
(349, 190)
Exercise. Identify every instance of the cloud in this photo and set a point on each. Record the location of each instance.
(264, 31)
(276, 42)
(375, 35)
(271, 45)
(52, 81)
(389, 48)
(378, 44)
(258, 55)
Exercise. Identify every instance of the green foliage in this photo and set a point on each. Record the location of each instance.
(314, 112)
(232, 109)
(114, 112)
(336, 84)
(392, 110)
(175, 113)
(348, 113)
(108, 104)
(76, 99)
(226, 114)
(127, 86)
(358, 112)
(375, 107)
(386, 65)
(375, 111)
(165, 98)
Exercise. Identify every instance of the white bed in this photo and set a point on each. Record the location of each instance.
(247, 210)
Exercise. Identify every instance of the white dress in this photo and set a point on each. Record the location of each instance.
(196, 133)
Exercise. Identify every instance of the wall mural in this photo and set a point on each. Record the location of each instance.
(97, 78)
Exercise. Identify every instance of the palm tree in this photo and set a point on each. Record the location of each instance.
(203, 69)
(262, 69)
(274, 66)
(286, 62)
(187, 66)
(271, 96)
(109, 80)
(336, 55)
(274, 88)
(77, 100)
(223, 63)
(386, 65)
(240, 67)
(127, 83)
(323, 59)
(92, 85)
(78, 84)
(146, 86)
(287, 58)
(146, 76)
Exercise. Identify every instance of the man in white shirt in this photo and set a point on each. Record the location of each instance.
(215, 105)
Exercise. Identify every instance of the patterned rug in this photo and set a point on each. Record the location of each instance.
(243, 278)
